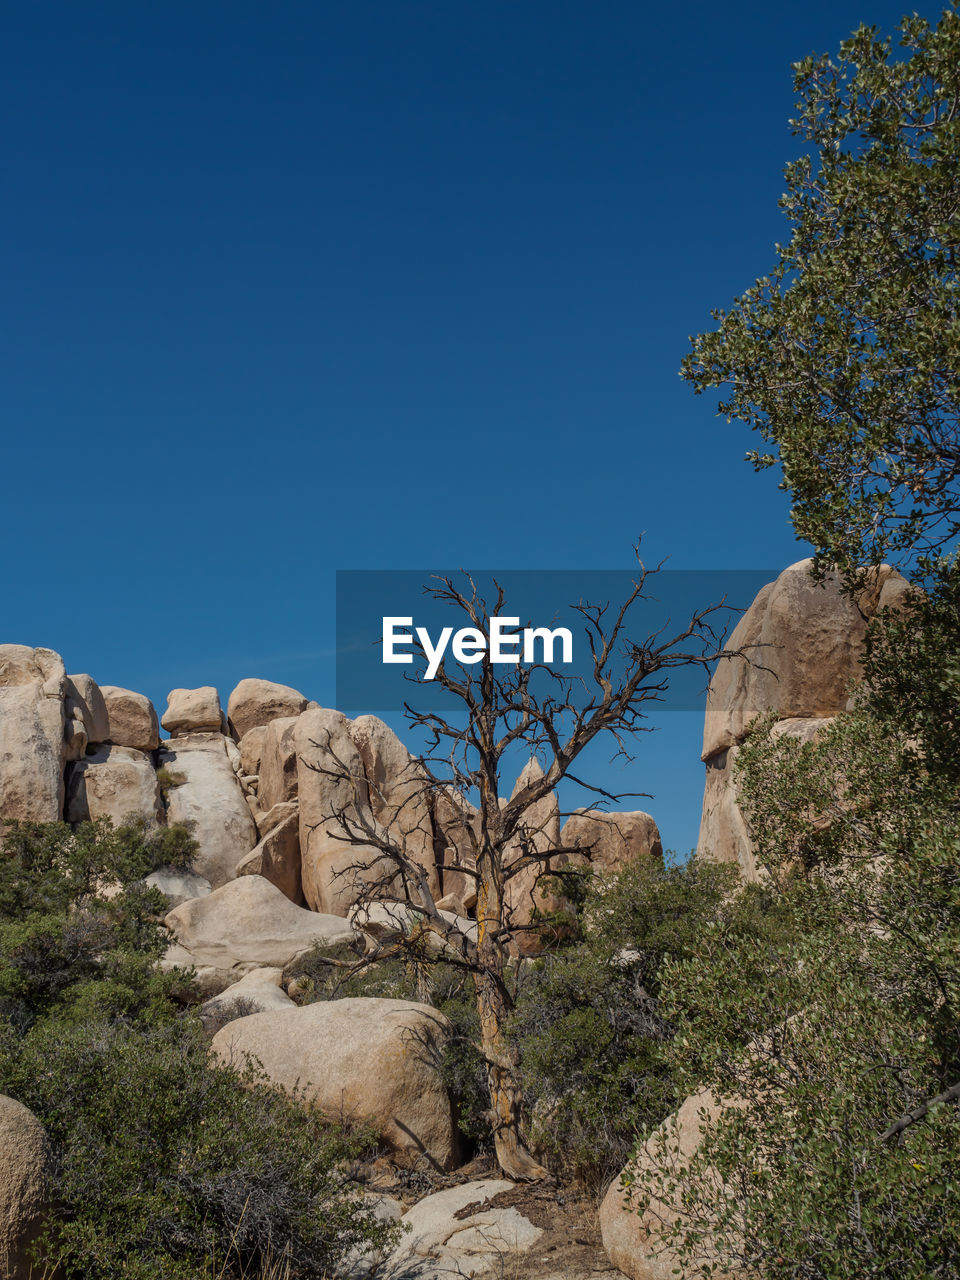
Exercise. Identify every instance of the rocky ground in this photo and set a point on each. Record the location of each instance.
(521, 1232)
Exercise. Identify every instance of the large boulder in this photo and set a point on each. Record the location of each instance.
(456, 826)
(249, 922)
(611, 840)
(400, 798)
(256, 702)
(192, 711)
(86, 715)
(724, 834)
(634, 1240)
(278, 763)
(250, 747)
(539, 833)
(131, 718)
(386, 922)
(32, 745)
(26, 1188)
(177, 885)
(374, 1061)
(84, 696)
(461, 1231)
(258, 991)
(118, 783)
(205, 980)
(332, 784)
(277, 856)
(272, 818)
(803, 644)
(205, 794)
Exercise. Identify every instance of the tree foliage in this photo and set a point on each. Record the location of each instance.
(846, 357)
(591, 1039)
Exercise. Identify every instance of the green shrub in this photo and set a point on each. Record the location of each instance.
(587, 1020)
(589, 1023)
(168, 1166)
(168, 778)
(79, 930)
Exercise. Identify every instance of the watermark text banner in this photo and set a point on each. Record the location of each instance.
(394, 631)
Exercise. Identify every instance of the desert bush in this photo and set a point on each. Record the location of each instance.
(79, 930)
(168, 1163)
(168, 1166)
(589, 1022)
(587, 1018)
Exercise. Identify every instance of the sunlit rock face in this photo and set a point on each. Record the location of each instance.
(33, 749)
(802, 643)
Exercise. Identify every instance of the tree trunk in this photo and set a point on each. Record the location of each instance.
(501, 1059)
(512, 1155)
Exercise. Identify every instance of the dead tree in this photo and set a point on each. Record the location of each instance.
(492, 839)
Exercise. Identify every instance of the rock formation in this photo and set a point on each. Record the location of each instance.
(277, 770)
(461, 1231)
(192, 711)
(88, 723)
(118, 783)
(396, 787)
(205, 794)
(331, 780)
(259, 991)
(132, 719)
(249, 922)
(539, 833)
(254, 703)
(277, 856)
(611, 840)
(803, 644)
(72, 749)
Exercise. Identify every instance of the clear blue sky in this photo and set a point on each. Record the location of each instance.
(296, 287)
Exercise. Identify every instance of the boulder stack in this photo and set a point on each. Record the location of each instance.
(192, 711)
(131, 718)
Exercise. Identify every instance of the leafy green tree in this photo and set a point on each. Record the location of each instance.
(841, 1047)
(846, 357)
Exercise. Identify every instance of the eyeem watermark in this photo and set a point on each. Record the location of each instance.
(397, 635)
(506, 643)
